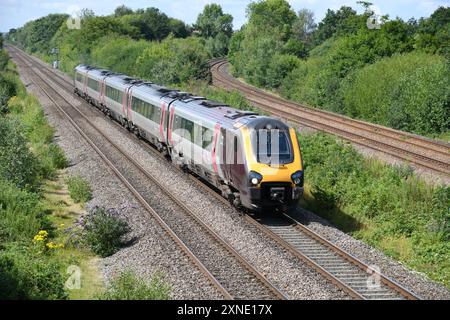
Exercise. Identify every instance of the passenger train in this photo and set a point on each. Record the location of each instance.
(254, 161)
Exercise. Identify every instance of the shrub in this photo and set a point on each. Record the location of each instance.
(27, 275)
(20, 214)
(104, 231)
(79, 189)
(127, 286)
(58, 156)
(7, 90)
(407, 92)
(174, 61)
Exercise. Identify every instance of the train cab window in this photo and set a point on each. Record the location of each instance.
(272, 146)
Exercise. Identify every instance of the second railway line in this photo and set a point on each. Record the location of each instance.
(422, 152)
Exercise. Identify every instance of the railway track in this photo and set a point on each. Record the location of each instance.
(348, 273)
(230, 273)
(354, 277)
(410, 148)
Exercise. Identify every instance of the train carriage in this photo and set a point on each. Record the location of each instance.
(255, 161)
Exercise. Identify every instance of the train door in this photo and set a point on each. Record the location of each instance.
(227, 158)
(129, 101)
(238, 172)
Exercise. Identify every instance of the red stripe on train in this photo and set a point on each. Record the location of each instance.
(169, 129)
(161, 123)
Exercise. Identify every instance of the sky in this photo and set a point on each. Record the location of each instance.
(15, 13)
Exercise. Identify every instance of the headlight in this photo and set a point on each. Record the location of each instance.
(254, 178)
(297, 178)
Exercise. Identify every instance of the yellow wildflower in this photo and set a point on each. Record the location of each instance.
(43, 233)
(41, 236)
(52, 245)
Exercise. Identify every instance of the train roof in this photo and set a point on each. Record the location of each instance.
(207, 109)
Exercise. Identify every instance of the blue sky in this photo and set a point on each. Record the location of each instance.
(14, 13)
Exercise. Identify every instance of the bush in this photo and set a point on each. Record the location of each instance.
(407, 92)
(59, 159)
(127, 286)
(25, 274)
(21, 214)
(7, 90)
(104, 231)
(79, 189)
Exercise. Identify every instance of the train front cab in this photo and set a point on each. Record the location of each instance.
(273, 180)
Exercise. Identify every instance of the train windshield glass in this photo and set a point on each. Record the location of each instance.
(272, 146)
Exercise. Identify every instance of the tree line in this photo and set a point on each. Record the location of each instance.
(395, 75)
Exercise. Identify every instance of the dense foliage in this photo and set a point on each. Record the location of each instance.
(322, 65)
(216, 27)
(146, 42)
(27, 156)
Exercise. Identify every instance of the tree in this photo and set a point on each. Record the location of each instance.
(178, 28)
(213, 21)
(343, 21)
(122, 11)
(434, 33)
(271, 16)
(152, 24)
(304, 26)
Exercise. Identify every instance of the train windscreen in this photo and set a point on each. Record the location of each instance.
(272, 146)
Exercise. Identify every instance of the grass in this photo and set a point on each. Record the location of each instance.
(64, 214)
(128, 286)
(79, 189)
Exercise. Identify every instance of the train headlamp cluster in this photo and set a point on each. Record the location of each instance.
(297, 178)
(255, 178)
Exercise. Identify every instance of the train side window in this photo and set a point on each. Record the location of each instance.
(156, 114)
(93, 84)
(188, 126)
(176, 123)
(79, 77)
(207, 136)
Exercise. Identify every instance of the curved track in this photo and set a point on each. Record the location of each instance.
(410, 148)
(348, 273)
(234, 277)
